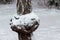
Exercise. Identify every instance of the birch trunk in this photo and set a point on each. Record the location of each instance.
(23, 6)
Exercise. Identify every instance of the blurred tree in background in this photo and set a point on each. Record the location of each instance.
(49, 3)
(6, 1)
(55, 3)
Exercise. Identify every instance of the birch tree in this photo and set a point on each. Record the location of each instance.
(23, 6)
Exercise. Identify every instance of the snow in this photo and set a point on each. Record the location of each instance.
(24, 20)
(49, 28)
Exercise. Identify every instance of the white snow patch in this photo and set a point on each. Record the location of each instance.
(24, 20)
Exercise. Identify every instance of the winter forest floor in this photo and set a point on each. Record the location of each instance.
(49, 28)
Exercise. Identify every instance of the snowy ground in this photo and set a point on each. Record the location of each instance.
(49, 28)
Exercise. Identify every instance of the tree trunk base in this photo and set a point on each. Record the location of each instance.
(22, 36)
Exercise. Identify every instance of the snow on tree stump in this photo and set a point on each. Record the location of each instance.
(25, 25)
(24, 22)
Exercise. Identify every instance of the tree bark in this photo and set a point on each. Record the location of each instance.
(22, 36)
(23, 6)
